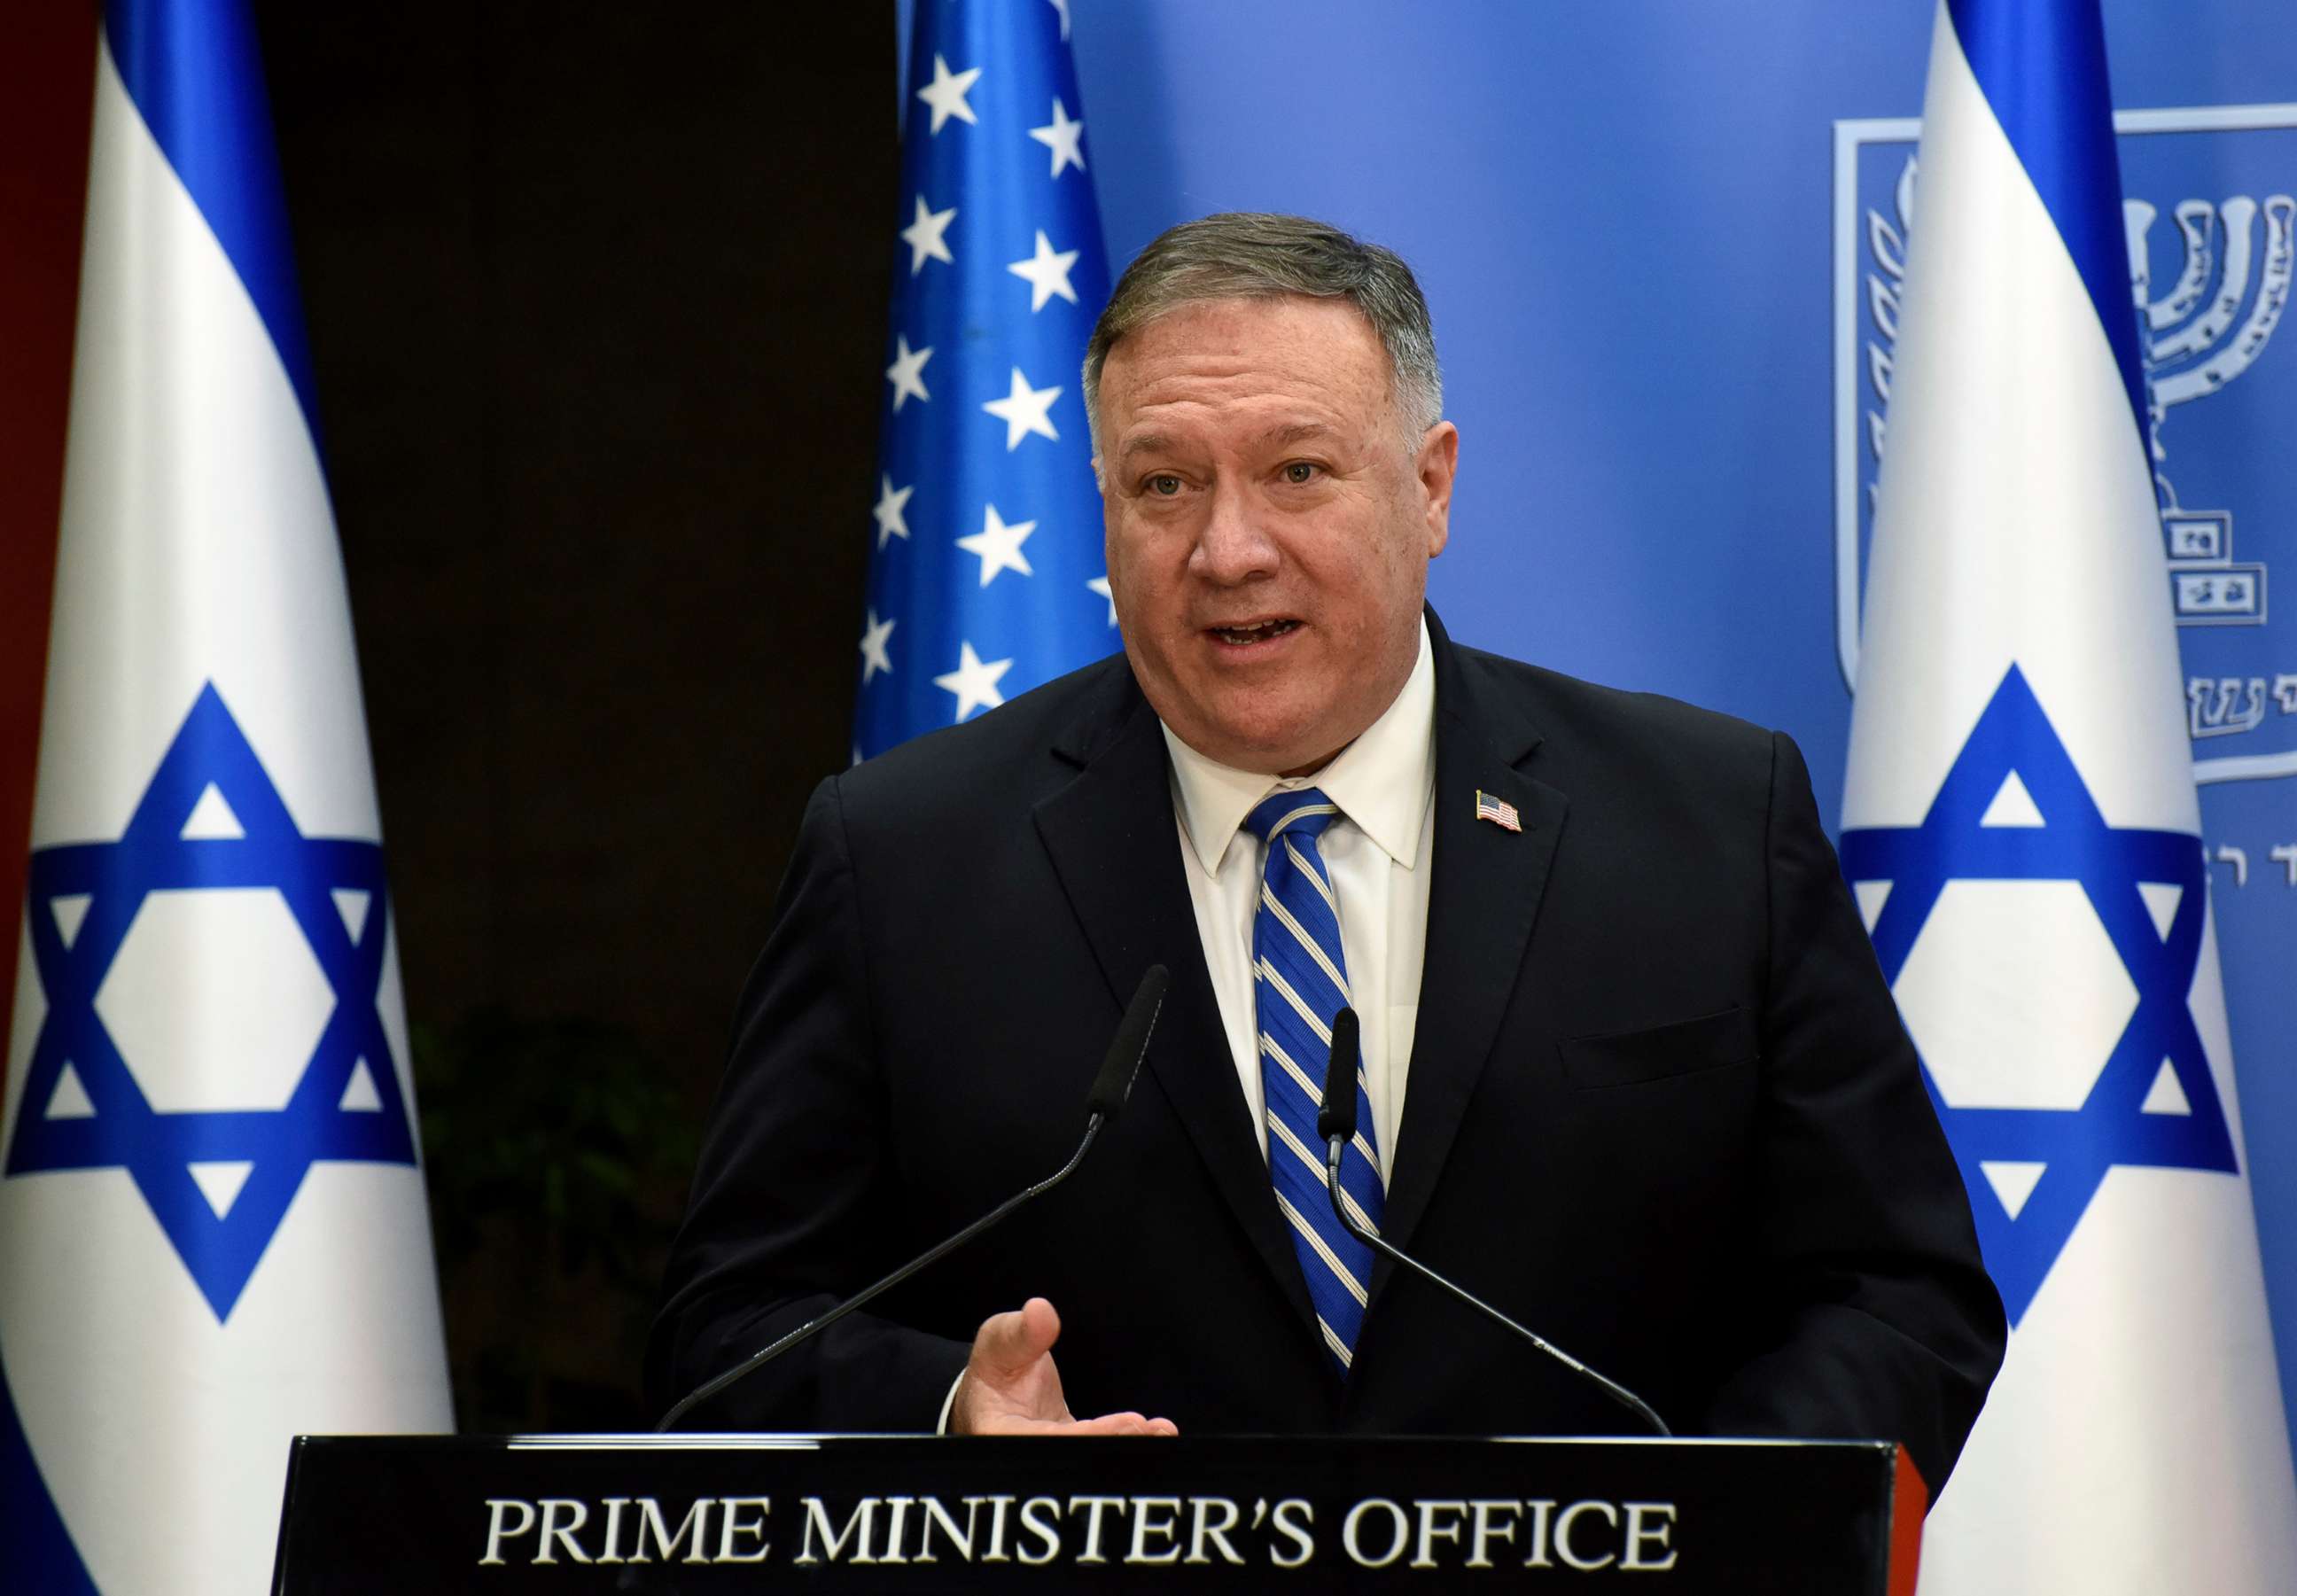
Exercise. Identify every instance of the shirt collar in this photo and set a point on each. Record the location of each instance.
(1382, 781)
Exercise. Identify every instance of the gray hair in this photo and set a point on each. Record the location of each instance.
(1243, 254)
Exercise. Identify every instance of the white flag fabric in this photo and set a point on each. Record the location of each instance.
(213, 1234)
(2020, 827)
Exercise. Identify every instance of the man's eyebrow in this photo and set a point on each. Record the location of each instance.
(1145, 443)
(1298, 431)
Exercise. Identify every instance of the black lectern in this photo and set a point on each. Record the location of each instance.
(830, 1513)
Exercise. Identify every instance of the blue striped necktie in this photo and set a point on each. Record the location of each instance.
(1300, 980)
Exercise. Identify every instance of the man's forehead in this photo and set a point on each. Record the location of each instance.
(1155, 435)
(1263, 365)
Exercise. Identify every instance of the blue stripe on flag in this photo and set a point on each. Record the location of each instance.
(2041, 65)
(40, 1554)
(194, 72)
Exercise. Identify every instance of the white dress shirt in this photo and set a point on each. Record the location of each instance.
(1376, 850)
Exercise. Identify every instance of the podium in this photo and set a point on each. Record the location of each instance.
(833, 1513)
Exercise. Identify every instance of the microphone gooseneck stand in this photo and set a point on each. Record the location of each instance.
(1110, 1088)
(1336, 1122)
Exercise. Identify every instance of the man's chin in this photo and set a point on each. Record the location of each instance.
(1294, 748)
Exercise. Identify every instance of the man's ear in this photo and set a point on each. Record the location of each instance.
(1438, 462)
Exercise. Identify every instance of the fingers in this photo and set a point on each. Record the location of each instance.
(1009, 1344)
(1121, 1424)
(1011, 1387)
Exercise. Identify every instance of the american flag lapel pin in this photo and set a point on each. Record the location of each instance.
(1499, 811)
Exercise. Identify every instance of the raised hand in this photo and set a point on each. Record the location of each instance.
(1011, 1387)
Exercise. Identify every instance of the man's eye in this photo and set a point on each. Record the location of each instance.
(1163, 487)
(1299, 471)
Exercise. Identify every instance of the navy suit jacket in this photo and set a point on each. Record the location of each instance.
(1661, 1107)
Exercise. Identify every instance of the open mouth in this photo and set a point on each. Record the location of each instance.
(1259, 632)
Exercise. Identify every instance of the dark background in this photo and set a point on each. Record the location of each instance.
(596, 300)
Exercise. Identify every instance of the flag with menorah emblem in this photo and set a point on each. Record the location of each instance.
(213, 1234)
(2021, 830)
(986, 576)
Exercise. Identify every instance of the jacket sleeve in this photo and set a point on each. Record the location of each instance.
(790, 1210)
(1889, 1327)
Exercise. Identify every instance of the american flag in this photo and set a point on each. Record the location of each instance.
(1499, 811)
(987, 577)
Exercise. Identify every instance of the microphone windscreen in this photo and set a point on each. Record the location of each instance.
(1337, 1117)
(1126, 1049)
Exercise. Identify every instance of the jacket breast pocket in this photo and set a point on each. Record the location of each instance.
(1660, 1052)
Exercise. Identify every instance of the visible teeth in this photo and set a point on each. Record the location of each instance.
(1254, 634)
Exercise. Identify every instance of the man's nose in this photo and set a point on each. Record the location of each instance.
(1234, 545)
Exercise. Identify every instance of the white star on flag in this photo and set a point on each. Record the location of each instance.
(946, 93)
(973, 682)
(904, 373)
(891, 521)
(1061, 6)
(999, 545)
(1100, 585)
(873, 657)
(1046, 272)
(1023, 411)
(1063, 137)
(924, 236)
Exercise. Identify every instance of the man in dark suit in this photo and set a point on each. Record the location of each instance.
(1630, 1070)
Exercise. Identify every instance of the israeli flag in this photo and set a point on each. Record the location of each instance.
(2020, 829)
(213, 1227)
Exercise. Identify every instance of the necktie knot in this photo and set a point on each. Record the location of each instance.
(1302, 812)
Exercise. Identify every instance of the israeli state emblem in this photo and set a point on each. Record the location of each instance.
(2210, 225)
(212, 1025)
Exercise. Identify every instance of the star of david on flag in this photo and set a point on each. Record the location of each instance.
(2031, 1172)
(985, 575)
(218, 1181)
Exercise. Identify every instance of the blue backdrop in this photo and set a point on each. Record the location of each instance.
(1636, 224)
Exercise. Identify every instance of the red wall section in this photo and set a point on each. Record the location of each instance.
(47, 91)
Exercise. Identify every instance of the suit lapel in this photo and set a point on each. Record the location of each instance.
(1112, 837)
(1482, 901)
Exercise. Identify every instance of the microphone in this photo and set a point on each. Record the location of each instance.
(1110, 1088)
(1336, 1122)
